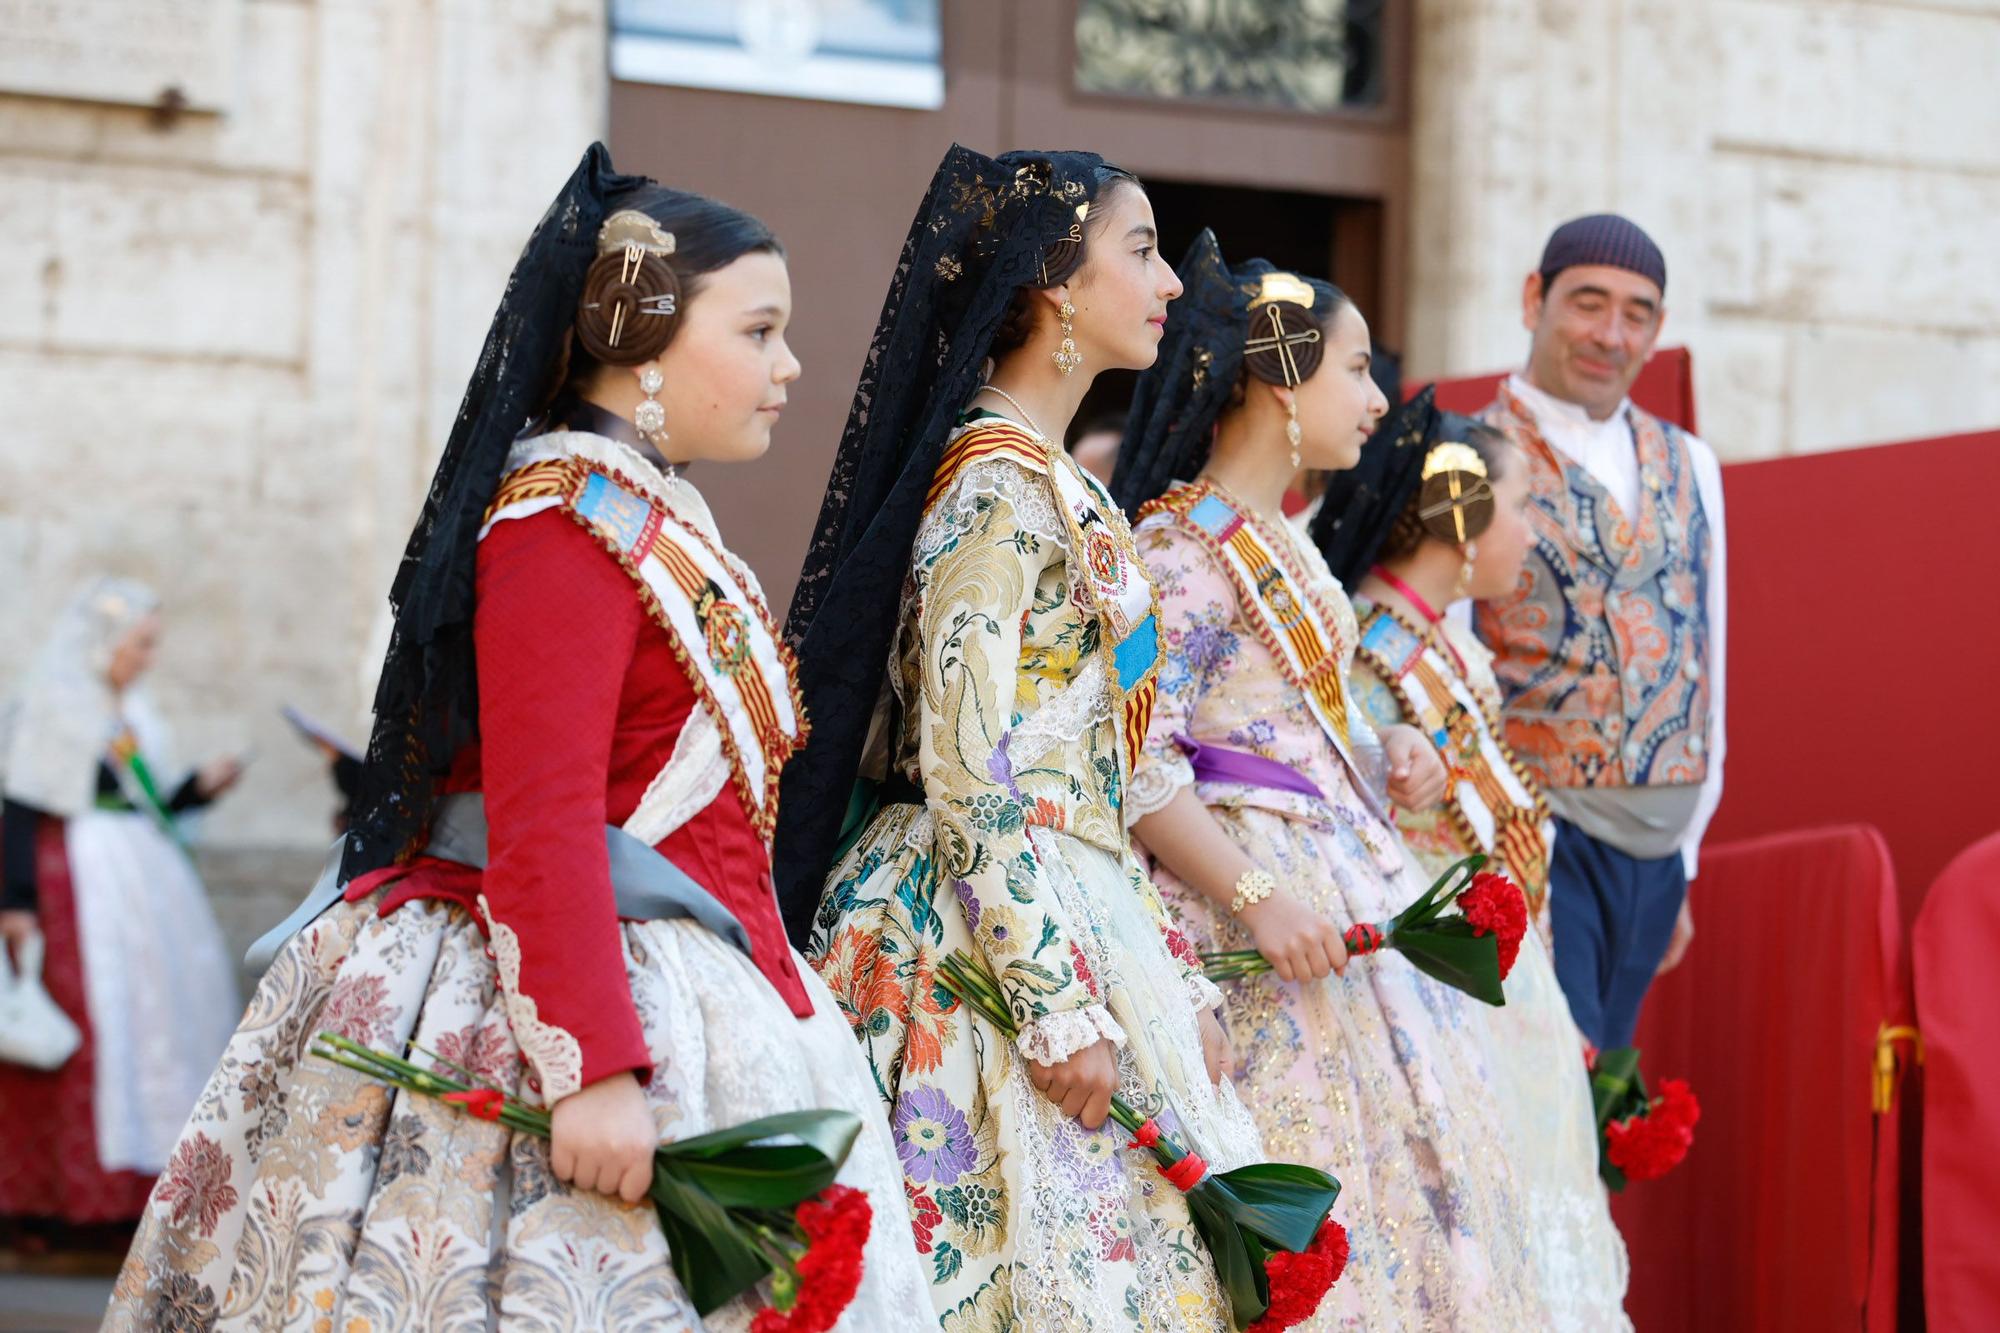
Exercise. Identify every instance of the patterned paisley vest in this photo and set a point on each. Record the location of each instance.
(1602, 648)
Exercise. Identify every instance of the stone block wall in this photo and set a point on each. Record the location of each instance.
(231, 347)
(1822, 174)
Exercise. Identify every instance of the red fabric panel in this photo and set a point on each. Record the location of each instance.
(1958, 994)
(556, 629)
(1851, 576)
(562, 602)
(48, 1156)
(581, 701)
(1783, 1216)
(1665, 388)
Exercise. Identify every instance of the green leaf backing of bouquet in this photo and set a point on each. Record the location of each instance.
(1449, 952)
(708, 1191)
(1617, 1092)
(774, 1162)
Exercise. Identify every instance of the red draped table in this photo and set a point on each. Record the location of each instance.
(1783, 1217)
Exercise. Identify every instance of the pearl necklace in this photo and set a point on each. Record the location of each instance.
(1026, 419)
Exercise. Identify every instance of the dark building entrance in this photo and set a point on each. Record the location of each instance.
(1321, 189)
(1337, 238)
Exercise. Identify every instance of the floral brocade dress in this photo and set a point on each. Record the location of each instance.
(1443, 684)
(1003, 720)
(307, 1198)
(1380, 1075)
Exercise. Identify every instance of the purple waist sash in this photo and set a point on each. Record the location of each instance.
(1215, 763)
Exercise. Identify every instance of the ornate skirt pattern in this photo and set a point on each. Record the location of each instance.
(305, 1197)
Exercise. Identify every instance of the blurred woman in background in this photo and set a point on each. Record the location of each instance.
(98, 881)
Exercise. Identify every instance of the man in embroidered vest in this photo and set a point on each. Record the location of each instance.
(1610, 649)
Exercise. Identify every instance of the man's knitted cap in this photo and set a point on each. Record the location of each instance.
(1603, 238)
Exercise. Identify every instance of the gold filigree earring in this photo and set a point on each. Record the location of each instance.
(649, 416)
(1464, 582)
(1066, 357)
(1292, 431)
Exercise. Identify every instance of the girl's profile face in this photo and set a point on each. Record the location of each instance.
(1340, 404)
(1122, 288)
(1503, 547)
(728, 366)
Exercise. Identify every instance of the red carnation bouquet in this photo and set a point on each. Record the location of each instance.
(1276, 1251)
(1641, 1136)
(1472, 949)
(739, 1205)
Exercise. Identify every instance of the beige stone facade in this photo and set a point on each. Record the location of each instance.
(1824, 176)
(231, 345)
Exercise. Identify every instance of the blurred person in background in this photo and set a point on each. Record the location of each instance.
(96, 865)
(1096, 446)
(1609, 648)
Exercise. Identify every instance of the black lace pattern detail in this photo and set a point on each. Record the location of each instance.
(426, 704)
(986, 227)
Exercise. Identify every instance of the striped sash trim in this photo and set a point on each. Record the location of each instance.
(987, 439)
(720, 630)
(1494, 806)
(1284, 618)
(1126, 609)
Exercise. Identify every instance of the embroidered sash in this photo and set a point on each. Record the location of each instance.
(1286, 620)
(1495, 806)
(721, 632)
(1100, 543)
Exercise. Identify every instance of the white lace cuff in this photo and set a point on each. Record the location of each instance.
(555, 1054)
(1155, 779)
(1202, 993)
(1056, 1038)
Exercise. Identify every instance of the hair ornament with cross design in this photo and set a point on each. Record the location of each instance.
(1284, 344)
(1455, 502)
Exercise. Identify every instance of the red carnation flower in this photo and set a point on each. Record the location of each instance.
(1494, 904)
(836, 1222)
(1299, 1282)
(1677, 1103)
(1646, 1147)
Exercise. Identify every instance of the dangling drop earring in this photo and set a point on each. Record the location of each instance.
(1292, 431)
(1066, 357)
(1464, 581)
(649, 416)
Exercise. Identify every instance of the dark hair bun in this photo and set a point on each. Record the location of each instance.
(1285, 343)
(1455, 502)
(630, 306)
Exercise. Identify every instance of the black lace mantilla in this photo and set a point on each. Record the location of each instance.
(427, 702)
(1361, 504)
(986, 227)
